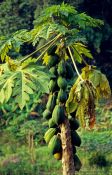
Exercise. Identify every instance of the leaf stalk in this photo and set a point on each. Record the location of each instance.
(74, 64)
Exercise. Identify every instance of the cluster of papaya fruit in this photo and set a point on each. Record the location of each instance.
(76, 140)
(55, 111)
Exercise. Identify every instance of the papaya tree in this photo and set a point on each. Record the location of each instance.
(71, 101)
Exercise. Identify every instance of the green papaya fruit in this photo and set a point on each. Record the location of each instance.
(53, 70)
(76, 140)
(49, 134)
(74, 150)
(62, 83)
(51, 103)
(53, 60)
(52, 123)
(77, 163)
(53, 85)
(73, 114)
(74, 124)
(47, 114)
(62, 96)
(58, 114)
(69, 71)
(61, 68)
(52, 50)
(55, 144)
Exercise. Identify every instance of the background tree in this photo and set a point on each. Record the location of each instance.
(16, 15)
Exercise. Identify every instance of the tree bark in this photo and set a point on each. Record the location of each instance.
(67, 150)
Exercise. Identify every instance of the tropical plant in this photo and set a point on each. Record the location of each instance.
(61, 27)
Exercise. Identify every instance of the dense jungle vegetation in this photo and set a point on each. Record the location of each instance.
(77, 33)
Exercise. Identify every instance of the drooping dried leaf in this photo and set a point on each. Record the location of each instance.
(82, 101)
(99, 80)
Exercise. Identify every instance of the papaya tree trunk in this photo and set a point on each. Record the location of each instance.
(67, 150)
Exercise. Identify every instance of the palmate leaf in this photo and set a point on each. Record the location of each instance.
(4, 49)
(74, 36)
(66, 20)
(83, 20)
(80, 50)
(55, 10)
(22, 83)
(47, 30)
(22, 90)
(27, 82)
(6, 83)
(13, 43)
(6, 86)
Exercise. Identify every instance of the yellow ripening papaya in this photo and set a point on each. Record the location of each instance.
(58, 155)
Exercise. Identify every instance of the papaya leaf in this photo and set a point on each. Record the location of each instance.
(99, 80)
(6, 85)
(22, 83)
(66, 20)
(84, 21)
(83, 95)
(82, 101)
(80, 50)
(13, 43)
